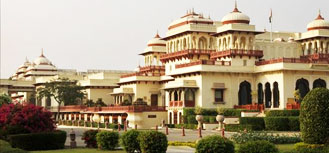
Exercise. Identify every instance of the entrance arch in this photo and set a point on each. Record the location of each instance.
(268, 95)
(319, 83)
(276, 95)
(260, 93)
(245, 93)
(303, 86)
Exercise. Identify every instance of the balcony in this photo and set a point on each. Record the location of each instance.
(237, 52)
(181, 104)
(292, 60)
(204, 62)
(184, 53)
(151, 68)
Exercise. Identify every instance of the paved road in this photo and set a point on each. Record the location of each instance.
(174, 135)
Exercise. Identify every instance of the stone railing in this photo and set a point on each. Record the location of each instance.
(237, 52)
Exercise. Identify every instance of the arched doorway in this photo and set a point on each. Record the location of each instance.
(319, 83)
(170, 117)
(303, 86)
(245, 93)
(260, 93)
(268, 95)
(276, 95)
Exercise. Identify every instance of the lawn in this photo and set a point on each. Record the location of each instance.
(281, 147)
(78, 150)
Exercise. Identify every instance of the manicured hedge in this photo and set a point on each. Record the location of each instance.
(39, 141)
(237, 127)
(282, 123)
(277, 123)
(244, 137)
(212, 112)
(209, 119)
(191, 120)
(257, 123)
(260, 146)
(277, 113)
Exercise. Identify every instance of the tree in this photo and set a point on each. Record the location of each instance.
(100, 103)
(314, 116)
(4, 99)
(63, 90)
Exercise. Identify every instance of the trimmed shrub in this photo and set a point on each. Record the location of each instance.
(314, 116)
(257, 123)
(260, 146)
(213, 112)
(311, 148)
(39, 141)
(191, 120)
(107, 140)
(214, 144)
(89, 137)
(212, 119)
(294, 124)
(277, 123)
(129, 141)
(152, 142)
(278, 113)
(237, 127)
(254, 136)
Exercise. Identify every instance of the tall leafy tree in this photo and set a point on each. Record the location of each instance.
(63, 90)
(4, 99)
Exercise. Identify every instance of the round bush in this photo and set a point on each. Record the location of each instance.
(153, 142)
(260, 146)
(314, 117)
(107, 140)
(89, 137)
(214, 144)
(129, 141)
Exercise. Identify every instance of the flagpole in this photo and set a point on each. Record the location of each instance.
(271, 20)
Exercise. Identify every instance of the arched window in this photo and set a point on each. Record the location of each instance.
(303, 86)
(268, 95)
(276, 95)
(245, 93)
(319, 83)
(243, 43)
(260, 94)
(202, 43)
(189, 95)
(184, 44)
(175, 96)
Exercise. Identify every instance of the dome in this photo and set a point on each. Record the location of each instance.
(42, 60)
(235, 17)
(156, 41)
(318, 23)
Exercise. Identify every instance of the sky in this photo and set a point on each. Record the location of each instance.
(109, 34)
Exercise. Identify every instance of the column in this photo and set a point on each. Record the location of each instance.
(111, 119)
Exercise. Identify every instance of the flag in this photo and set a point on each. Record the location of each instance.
(270, 18)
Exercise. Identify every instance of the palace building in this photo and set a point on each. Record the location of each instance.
(199, 62)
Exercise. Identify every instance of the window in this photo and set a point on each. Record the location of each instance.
(219, 95)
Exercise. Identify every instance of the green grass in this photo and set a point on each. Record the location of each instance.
(78, 150)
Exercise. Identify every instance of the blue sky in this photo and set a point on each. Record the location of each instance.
(108, 34)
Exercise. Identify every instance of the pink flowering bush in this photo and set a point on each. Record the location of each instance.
(17, 119)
